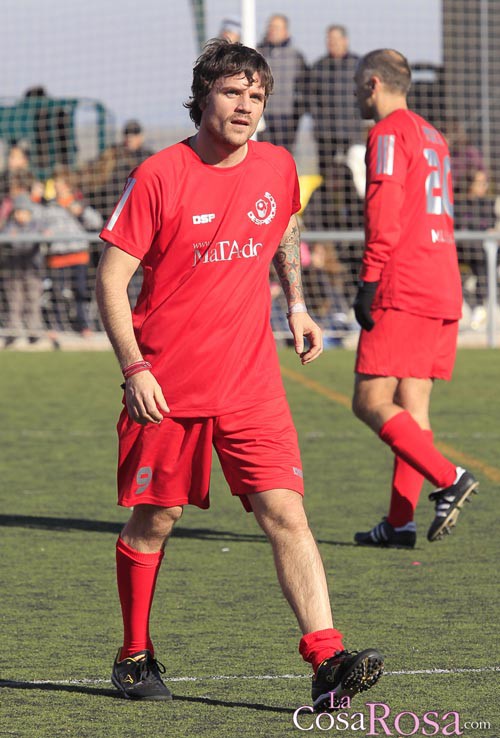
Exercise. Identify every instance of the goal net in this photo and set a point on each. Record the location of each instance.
(91, 89)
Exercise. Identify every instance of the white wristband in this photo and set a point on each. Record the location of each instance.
(299, 307)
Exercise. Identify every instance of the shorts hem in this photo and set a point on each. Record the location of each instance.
(405, 375)
(293, 485)
(168, 503)
(243, 496)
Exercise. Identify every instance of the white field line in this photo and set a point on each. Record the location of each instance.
(261, 677)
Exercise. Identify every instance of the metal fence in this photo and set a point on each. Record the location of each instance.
(89, 90)
(60, 302)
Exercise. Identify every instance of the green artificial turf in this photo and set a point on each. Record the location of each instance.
(219, 621)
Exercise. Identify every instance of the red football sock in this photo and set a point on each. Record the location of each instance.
(407, 485)
(136, 574)
(407, 439)
(320, 645)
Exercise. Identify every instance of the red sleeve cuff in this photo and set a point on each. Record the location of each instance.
(370, 273)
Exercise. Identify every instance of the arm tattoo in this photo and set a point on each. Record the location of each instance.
(287, 264)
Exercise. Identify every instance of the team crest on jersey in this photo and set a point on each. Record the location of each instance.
(265, 210)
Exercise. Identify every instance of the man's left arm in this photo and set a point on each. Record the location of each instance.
(287, 264)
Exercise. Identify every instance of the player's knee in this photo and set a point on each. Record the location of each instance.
(166, 518)
(153, 521)
(286, 522)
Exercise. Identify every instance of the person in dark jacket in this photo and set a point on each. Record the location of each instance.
(331, 101)
(102, 180)
(475, 211)
(286, 105)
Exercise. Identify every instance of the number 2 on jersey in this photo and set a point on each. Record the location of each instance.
(437, 184)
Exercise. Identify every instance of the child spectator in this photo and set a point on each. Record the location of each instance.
(20, 183)
(18, 162)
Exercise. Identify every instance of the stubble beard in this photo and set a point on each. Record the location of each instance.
(233, 137)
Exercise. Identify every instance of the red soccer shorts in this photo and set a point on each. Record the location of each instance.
(405, 345)
(169, 464)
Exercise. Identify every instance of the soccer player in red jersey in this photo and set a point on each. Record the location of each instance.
(409, 299)
(205, 218)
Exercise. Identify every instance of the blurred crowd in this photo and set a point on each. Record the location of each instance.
(47, 259)
(324, 91)
(46, 267)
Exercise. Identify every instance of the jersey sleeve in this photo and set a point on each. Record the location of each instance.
(386, 158)
(386, 172)
(383, 205)
(134, 220)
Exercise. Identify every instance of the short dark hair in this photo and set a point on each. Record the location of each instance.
(132, 128)
(281, 16)
(221, 58)
(341, 29)
(390, 66)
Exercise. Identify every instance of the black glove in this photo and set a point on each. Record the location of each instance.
(363, 302)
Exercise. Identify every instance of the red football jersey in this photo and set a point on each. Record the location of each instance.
(410, 246)
(206, 236)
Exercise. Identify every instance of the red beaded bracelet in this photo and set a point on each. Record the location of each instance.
(135, 368)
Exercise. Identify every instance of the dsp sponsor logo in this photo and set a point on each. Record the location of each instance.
(203, 218)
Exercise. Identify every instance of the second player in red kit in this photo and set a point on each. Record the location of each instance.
(409, 299)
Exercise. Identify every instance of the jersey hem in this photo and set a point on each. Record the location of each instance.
(442, 315)
(227, 410)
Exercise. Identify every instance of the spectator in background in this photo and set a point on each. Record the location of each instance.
(102, 180)
(337, 205)
(331, 101)
(465, 157)
(286, 105)
(18, 161)
(21, 274)
(322, 279)
(21, 182)
(230, 29)
(68, 260)
(475, 211)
